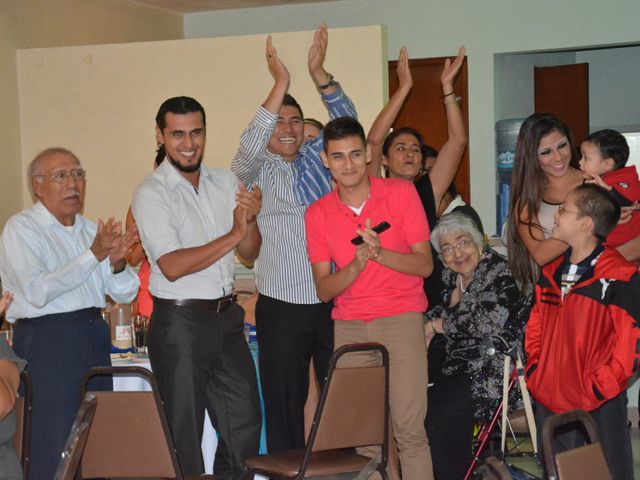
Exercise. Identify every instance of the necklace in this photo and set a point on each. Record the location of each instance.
(461, 285)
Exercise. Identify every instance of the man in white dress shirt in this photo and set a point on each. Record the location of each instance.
(191, 219)
(59, 266)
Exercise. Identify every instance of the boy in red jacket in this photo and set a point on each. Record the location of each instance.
(583, 336)
(604, 159)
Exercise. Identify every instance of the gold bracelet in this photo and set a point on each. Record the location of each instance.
(452, 101)
(433, 326)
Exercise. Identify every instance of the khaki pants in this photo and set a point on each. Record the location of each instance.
(403, 336)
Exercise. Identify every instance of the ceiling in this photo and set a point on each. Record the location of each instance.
(190, 6)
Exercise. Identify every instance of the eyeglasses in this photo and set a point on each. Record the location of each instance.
(562, 210)
(63, 175)
(448, 250)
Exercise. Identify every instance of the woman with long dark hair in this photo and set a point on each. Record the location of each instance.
(545, 169)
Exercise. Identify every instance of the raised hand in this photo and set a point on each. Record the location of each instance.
(405, 80)
(5, 301)
(450, 70)
(277, 68)
(317, 55)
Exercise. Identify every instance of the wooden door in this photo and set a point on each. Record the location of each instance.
(564, 91)
(424, 110)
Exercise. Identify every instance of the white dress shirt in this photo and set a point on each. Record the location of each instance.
(49, 268)
(172, 215)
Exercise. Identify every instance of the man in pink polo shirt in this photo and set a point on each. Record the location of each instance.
(377, 285)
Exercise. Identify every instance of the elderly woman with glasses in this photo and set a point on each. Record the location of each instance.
(481, 304)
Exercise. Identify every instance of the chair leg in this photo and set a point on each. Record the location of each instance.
(383, 473)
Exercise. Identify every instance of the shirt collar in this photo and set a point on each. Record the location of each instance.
(377, 189)
(47, 219)
(173, 178)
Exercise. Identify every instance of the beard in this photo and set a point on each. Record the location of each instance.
(186, 168)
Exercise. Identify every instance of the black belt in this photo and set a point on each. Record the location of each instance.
(218, 305)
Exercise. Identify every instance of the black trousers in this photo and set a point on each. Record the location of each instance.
(60, 349)
(613, 432)
(289, 335)
(449, 426)
(201, 360)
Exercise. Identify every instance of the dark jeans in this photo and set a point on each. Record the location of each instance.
(613, 432)
(201, 360)
(59, 349)
(449, 426)
(290, 335)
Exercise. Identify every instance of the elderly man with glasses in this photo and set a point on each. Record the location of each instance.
(59, 266)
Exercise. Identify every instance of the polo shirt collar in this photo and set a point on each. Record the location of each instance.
(377, 190)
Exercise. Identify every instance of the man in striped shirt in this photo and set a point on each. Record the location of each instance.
(293, 324)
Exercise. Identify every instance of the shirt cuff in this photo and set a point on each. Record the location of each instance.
(265, 118)
(332, 97)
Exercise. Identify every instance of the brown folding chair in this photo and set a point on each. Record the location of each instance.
(24, 415)
(353, 412)
(579, 463)
(496, 470)
(76, 440)
(130, 436)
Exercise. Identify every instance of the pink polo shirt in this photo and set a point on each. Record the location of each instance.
(378, 291)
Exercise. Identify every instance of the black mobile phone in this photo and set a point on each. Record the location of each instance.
(381, 227)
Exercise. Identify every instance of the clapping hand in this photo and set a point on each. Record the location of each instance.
(249, 201)
(317, 55)
(371, 240)
(277, 68)
(405, 80)
(111, 242)
(450, 70)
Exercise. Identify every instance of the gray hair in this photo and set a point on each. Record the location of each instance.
(456, 222)
(34, 166)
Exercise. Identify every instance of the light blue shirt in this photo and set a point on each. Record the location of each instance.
(49, 268)
(172, 215)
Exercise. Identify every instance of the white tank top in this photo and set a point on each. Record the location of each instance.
(545, 216)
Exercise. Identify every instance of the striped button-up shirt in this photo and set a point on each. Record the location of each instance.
(283, 270)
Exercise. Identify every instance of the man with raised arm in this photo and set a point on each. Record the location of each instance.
(191, 220)
(293, 325)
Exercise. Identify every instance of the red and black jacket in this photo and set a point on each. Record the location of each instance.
(582, 349)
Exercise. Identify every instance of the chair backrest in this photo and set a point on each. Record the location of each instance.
(353, 409)
(496, 470)
(77, 439)
(583, 462)
(130, 435)
(24, 415)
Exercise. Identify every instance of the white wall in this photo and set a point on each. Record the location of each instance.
(432, 28)
(614, 83)
(100, 101)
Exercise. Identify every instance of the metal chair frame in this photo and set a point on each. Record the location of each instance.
(307, 454)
